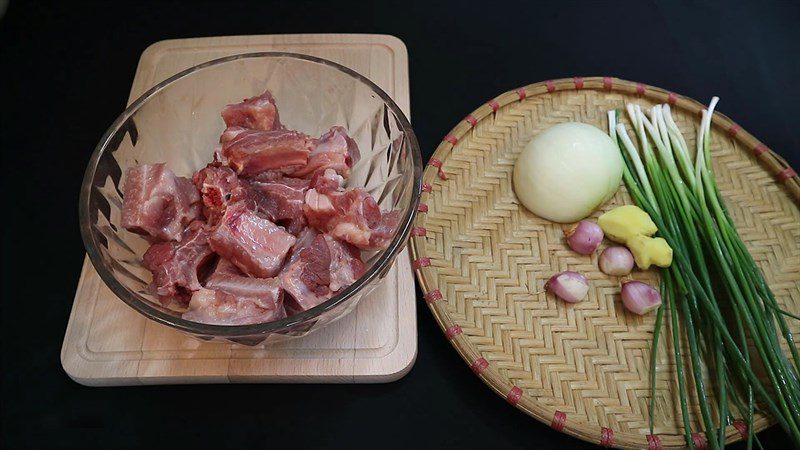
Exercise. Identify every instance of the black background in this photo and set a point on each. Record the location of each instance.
(66, 73)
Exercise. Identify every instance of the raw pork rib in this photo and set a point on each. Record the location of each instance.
(254, 244)
(252, 151)
(335, 150)
(175, 264)
(351, 215)
(281, 200)
(346, 264)
(232, 298)
(157, 203)
(220, 307)
(307, 275)
(320, 266)
(258, 113)
(219, 187)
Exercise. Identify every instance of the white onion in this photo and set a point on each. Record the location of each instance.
(584, 237)
(616, 261)
(569, 286)
(640, 298)
(567, 171)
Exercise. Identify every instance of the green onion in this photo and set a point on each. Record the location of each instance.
(712, 275)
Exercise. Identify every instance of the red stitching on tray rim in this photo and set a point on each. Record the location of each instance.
(435, 163)
(759, 149)
(699, 440)
(606, 437)
(453, 331)
(558, 421)
(608, 83)
(551, 86)
(786, 174)
(514, 395)
(734, 130)
(741, 427)
(432, 296)
(422, 262)
(672, 98)
(640, 89)
(578, 82)
(479, 366)
(423, 208)
(426, 187)
(653, 442)
(419, 231)
(451, 139)
(521, 92)
(494, 105)
(470, 119)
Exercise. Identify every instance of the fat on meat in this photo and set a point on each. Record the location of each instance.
(253, 151)
(251, 242)
(157, 203)
(258, 113)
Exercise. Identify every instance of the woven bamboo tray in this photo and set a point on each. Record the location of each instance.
(482, 260)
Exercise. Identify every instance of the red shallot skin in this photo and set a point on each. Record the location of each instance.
(617, 261)
(569, 286)
(640, 298)
(584, 237)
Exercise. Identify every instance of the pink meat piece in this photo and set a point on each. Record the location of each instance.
(230, 133)
(262, 302)
(158, 204)
(220, 187)
(327, 181)
(253, 151)
(307, 275)
(335, 150)
(346, 265)
(254, 244)
(175, 265)
(351, 215)
(281, 200)
(258, 113)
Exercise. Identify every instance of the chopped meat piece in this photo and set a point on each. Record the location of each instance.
(263, 303)
(384, 231)
(251, 151)
(346, 265)
(281, 200)
(258, 113)
(327, 181)
(335, 150)
(254, 244)
(307, 276)
(157, 203)
(175, 264)
(351, 215)
(230, 133)
(220, 187)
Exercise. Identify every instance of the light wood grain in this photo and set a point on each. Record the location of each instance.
(108, 344)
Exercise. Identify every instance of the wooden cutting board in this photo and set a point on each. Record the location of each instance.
(109, 344)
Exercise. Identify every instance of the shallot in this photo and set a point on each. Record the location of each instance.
(584, 237)
(569, 286)
(616, 261)
(640, 298)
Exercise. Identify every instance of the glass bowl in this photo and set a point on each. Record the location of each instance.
(178, 122)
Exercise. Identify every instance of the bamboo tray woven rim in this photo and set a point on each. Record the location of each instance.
(776, 165)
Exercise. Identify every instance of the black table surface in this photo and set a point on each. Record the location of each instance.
(66, 73)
